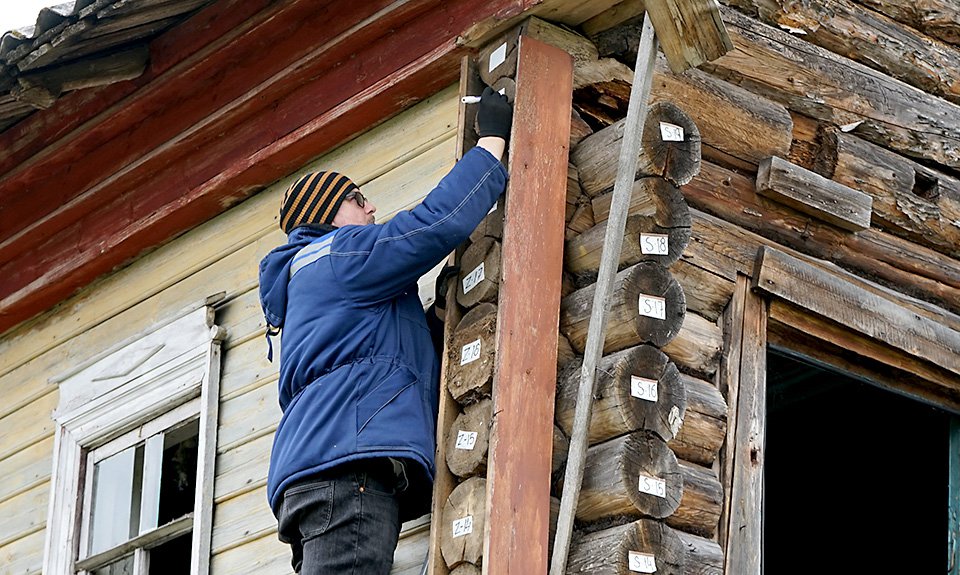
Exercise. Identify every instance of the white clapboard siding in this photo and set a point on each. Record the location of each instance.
(28, 425)
(23, 556)
(242, 468)
(25, 469)
(24, 513)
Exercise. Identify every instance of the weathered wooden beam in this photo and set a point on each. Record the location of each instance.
(644, 546)
(701, 503)
(471, 354)
(697, 347)
(745, 376)
(831, 296)
(118, 66)
(525, 380)
(812, 194)
(909, 199)
(704, 425)
(909, 268)
(773, 63)
(801, 332)
(690, 31)
(937, 18)
(869, 38)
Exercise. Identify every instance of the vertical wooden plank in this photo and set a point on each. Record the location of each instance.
(953, 500)
(518, 472)
(444, 481)
(744, 529)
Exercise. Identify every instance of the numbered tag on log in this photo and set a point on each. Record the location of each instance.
(463, 526)
(671, 132)
(470, 352)
(654, 244)
(642, 562)
(473, 278)
(466, 439)
(653, 306)
(643, 388)
(653, 486)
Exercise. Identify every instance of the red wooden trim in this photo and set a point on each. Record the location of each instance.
(518, 471)
(208, 132)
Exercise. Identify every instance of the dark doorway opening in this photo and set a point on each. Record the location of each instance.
(855, 476)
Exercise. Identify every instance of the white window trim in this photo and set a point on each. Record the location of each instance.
(115, 393)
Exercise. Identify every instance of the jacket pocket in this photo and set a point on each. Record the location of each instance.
(389, 395)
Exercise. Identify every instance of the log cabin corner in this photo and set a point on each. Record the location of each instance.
(783, 333)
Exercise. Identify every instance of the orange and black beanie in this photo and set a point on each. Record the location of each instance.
(314, 199)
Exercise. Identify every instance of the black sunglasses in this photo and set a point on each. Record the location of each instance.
(356, 195)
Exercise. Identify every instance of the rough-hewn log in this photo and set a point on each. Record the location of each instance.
(471, 354)
(491, 225)
(603, 97)
(468, 439)
(904, 266)
(707, 293)
(579, 129)
(833, 296)
(895, 115)
(479, 277)
(561, 446)
(650, 196)
(634, 475)
(704, 424)
(690, 31)
(565, 353)
(632, 547)
(737, 127)
(677, 161)
(466, 569)
(869, 38)
(581, 221)
(646, 238)
(937, 18)
(646, 288)
(696, 349)
(812, 194)
(462, 523)
(699, 510)
(637, 388)
(909, 199)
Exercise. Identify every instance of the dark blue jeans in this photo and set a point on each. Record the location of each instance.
(345, 521)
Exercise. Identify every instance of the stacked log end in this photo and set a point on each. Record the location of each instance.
(650, 500)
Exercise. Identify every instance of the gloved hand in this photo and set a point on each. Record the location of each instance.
(494, 114)
(440, 289)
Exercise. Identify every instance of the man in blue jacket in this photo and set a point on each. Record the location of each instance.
(353, 455)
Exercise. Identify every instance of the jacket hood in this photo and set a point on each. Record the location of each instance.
(275, 273)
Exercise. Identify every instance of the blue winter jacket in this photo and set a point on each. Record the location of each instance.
(358, 370)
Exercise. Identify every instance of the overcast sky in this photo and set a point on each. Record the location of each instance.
(20, 13)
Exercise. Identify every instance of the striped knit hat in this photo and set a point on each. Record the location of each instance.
(314, 199)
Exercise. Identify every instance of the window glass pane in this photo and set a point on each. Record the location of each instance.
(171, 557)
(121, 567)
(112, 512)
(150, 498)
(179, 476)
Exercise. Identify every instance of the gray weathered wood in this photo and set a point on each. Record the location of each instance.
(704, 424)
(702, 501)
(618, 408)
(938, 18)
(909, 199)
(468, 458)
(643, 240)
(466, 500)
(812, 194)
(626, 326)
(607, 552)
(690, 31)
(484, 252)
(470, 379)
(831, 296)
(869, 38)
(605, 284)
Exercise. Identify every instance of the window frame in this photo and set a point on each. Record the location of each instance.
(147, 384)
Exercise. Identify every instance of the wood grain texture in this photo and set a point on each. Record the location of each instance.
(833, 297)
(704, 424)
(812, 194)
(525, 380)
(937, 18)
(690, 31)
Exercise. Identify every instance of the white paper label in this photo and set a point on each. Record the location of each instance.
(653, 486)
(653, 306)
(675, 421)
(466, 440)
(654, 244)
(471, 280)
(498, 56)
(470, 352)
(642, 562)
(463, 526)
(671, 132)
(643, 388)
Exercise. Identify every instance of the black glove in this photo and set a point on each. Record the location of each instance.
(494, 114)
(440, 289)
